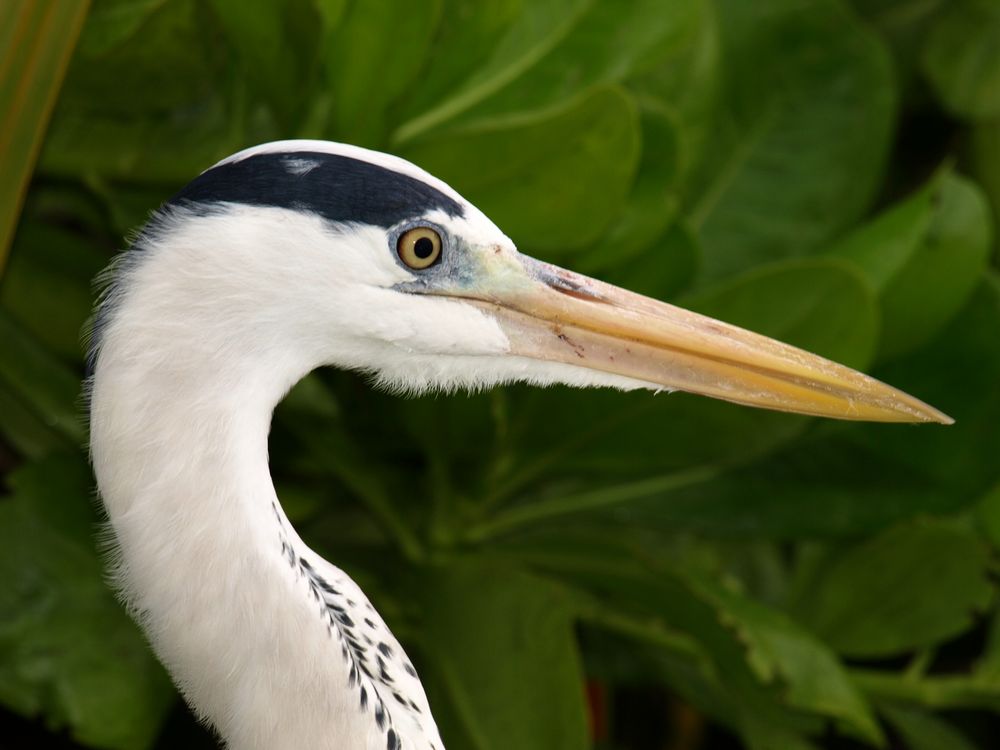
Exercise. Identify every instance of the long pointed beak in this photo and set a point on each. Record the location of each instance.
(560, 316)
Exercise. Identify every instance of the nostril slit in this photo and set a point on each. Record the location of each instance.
(575, 291)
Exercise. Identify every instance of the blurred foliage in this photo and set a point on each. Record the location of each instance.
(823, 171)
(35, 48)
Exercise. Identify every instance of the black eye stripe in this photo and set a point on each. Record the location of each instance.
(336, 187)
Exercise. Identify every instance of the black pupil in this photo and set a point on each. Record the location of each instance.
(423, 248)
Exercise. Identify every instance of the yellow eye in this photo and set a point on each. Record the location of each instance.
(419, 248)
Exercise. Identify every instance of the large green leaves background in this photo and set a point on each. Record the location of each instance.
(569, 569)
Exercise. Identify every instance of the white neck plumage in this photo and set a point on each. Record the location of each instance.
(275, 647)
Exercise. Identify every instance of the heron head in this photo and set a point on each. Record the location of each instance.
(378, 266)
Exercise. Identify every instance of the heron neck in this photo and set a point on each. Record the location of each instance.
(261, 634)
(181, 407)
(180, 453)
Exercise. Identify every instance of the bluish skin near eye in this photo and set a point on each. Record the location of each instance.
(457, 268)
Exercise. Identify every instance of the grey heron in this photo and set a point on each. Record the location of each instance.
(298, 254)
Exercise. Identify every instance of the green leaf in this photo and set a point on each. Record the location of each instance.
(933, 692)
(371, 58)
(904, 25)
(503, 667)
(925, 257)
(43, 390)
(68, 652)
(774, 672)
(129, 205)
(112, 22)
(467, 33)
(810, 489)
(985, 158)
(987, 667)
(36, 41)
(913, 585)
(807, 133)
(277, 42)
(645, 249)
(924, 731)
(174, 109)
(686, 85)
(551, 181)
(777, 649)
(47, 288)
(988, 516)
(330, 11)
(324, 446)
(764, 735)
(882, 247)
(943, 272)
(530, 35)
(608, 44)
(961, 58)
